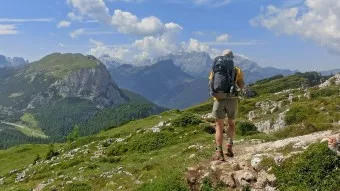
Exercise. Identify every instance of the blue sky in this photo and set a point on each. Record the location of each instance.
(293, 34)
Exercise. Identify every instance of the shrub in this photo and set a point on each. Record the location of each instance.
(295, 115)
(51, 153)
(318, 168)
(37, 158)
(246, 128)
(112, 159)
(186, 119)
(207, 128)
(78, 187)
(150, 141)
(118, 149)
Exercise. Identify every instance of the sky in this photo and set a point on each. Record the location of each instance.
(289, 34)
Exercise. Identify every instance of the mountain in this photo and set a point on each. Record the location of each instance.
(152, 82)
(330, 72)
(110, 62)
(12, 62)
(281, 144)
(47, 98)
(180, 80)
(198, 65)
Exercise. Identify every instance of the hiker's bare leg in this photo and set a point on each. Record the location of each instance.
(219, 132)
(231, 129)
(231, 135)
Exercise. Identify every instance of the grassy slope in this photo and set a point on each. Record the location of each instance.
(58, 65)
(168, 161)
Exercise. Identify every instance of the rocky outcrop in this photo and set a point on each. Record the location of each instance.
(335, 80)
(93, 84)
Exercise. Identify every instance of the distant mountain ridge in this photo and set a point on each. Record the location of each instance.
(12, 62)
(191, 74)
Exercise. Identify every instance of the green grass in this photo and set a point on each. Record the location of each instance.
(59, 65)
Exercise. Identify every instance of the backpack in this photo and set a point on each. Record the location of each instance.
(223, 79)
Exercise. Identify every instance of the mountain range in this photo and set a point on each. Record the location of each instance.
(183, 82)
(47, 98)
(12, 62)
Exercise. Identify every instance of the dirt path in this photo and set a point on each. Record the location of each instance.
(239, 171)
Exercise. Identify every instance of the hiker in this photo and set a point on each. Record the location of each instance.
(225, 81)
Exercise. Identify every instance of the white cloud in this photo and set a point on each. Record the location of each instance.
(195, 45)
(20, 20)
(101, 49)
(95, 9)
(127, 23)
(8, 30)
(80, 32)
(74, 17)
(317, 20)
(61, 44)
(63, 24)
(155, 46)
(222, 38)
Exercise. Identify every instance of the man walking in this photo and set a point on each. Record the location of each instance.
(224, 82)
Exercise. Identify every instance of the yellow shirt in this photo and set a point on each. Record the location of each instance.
(239, 75)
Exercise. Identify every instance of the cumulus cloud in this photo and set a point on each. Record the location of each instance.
(222, 38)
(64, 24)
(101, 49)
(195, 45)
(95, 9)
(316, 20)
(155, 46)
(8, 30)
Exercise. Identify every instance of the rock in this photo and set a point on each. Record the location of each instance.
(269, 188)
(263, 126)
(279, 159)
(244, 177)
(227, 179)
(20, 176)
(235, 165)
(335, 80)
(155, 130)
(300, 145)
(2, 181)
(119, 140)
(291, 97)
(251, 115)
(256, 160)
(208, 117)
(214, 165)
(192, 156)
(196, 147)
(307, 95)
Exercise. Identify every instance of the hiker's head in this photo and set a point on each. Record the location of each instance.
(228, 53)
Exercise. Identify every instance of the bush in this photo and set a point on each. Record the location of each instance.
(296, 115)
(118, 149)
(78, 187)
(186, 119)
(112, 159)
(37, 158)
(150, 141)
(207, 128)
(51, 153)
(318, 168)
(245, 128)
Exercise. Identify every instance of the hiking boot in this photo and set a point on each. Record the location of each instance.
(230, 152)
(219, 156)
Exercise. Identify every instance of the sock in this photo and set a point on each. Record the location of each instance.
(230, 141)
(219, 148)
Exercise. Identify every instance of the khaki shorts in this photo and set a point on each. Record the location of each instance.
(225, 108)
